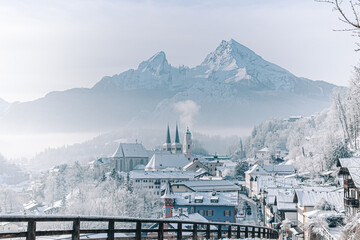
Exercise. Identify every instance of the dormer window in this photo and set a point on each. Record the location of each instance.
(199, 199)
(214, 200)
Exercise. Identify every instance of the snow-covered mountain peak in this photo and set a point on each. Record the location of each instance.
(157, 64)
(229, 55)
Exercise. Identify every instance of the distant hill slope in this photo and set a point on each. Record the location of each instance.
(232, 86)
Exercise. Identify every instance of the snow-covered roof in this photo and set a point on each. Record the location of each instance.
(270, 199)
(209, 185)
(274, 184)
(225, 199)
(130, 150)
(313, 198)
(350, 162)
(268, 169)
(279, 169)
(164, 160)
(168, 192)
(100, 161)
(353, 165)
(182, 175)
(283, 206)
(264, 150)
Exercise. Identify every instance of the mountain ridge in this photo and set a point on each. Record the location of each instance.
(231, 80)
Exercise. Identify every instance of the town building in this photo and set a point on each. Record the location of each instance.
(175, 147)
(129, 155)
(214, 206)
(256, 171)
(307, 199)
(195, 165)
(264, 155)
(152, 181)
(188, 144)
(100, 166)
(350, 173)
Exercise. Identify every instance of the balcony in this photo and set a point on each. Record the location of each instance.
(349, 183)
(351, 202)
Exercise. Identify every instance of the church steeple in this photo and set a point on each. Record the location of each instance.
(177, 140)
(168, 139)
(167, 144)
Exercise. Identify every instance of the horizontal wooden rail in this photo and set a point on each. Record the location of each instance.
(160, 228)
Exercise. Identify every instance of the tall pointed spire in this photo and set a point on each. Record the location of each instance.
(168, 139)
(177, 140)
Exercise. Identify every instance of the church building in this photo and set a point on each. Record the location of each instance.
(177, 147)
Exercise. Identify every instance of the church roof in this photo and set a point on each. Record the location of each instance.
(164, 160)
(168, 139)
(177, 140)
(130, 150)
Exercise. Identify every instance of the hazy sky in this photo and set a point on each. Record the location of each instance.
(56, 45)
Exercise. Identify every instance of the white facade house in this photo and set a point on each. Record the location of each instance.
(306, 200)
(256, 171)
(152, 181)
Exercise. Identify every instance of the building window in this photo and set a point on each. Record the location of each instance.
(188, 146)
(202, 212)
(227, 213)
(192, 210)
(210, 213)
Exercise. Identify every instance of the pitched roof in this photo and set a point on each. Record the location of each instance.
(130, 150)
(182, 175)
(177, 140)
(350, 162)
(312, 198)
(164, 160)
(209, 185)
(168, 191)
(224, 199)
(267, 169)
(265, 149)
(279, 168)
(168, 139)
(353, 165)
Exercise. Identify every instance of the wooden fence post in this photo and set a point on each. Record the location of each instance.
(238, 232)
(76, 230)
(229, 231)
(219, 232)
(253, 232)
(194, 231)
(138, 230)
(246, 232)
(111, 233)
(208, 231)
(161, 231)
(179, 231)
(31, 230)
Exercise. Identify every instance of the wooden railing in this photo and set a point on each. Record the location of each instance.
(349, 183)
(351, 202)
(160, 228)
